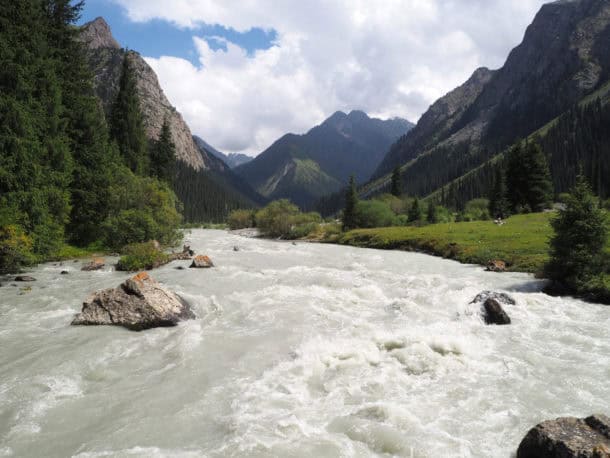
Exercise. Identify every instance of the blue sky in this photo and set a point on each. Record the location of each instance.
(159, 37)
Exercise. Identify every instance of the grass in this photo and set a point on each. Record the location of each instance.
(522, 242)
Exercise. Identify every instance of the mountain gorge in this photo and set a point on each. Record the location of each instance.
(233, 160)
(305, 167)
(564, 58)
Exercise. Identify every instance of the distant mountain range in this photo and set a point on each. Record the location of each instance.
(232, 159)
(564, 59)
(303, 168)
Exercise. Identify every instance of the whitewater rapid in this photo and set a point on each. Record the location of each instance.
(299, 350)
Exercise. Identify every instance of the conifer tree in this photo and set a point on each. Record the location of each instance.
(396, 186)
(351, 200)
(126, 123)
(516, 180)
(577, 248)
(415, 212)
(163, 155)
(432, 216)
(498, 202)
(539, 188)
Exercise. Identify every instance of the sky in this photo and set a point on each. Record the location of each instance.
(245, 72)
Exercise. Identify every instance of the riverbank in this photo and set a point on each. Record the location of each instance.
(522, 242)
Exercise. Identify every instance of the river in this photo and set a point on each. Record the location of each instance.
(302, 350)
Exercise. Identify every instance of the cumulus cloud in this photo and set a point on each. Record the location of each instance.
(388, 58)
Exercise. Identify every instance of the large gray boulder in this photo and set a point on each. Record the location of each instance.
(568, 437)
(494, 313)
(137, 304)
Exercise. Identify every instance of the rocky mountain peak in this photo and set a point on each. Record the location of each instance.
(97, 34)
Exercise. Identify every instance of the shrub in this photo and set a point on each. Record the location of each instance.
(141, 256)
(374, 213)
(241, 219)
(275, 220)
(476, 210)
(397, 205)
(15, 249)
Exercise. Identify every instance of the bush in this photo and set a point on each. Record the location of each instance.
(397, 205)
(141, 209)
(283, 219)
(141, 256)
(476, 210)
(15, 249)
(374, 213)
(241, 219)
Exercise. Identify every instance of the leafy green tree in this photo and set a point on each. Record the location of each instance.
(415, 212)
(126, 122)
(577, 248)
(373, 213)
(396, 186)
(498, 202)
(351, 200)
(163, 155)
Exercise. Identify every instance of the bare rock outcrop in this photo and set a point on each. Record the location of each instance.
(137, 304)
(106, 59)
(568, 437)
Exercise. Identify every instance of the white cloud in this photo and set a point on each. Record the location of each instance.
(387, 57)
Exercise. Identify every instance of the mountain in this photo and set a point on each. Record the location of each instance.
(305, 167)
(563, 58)
(208, 173)
(232, 159)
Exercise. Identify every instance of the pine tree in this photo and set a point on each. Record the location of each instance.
(432, 216)
(577, 248)
(163, 156)
(539, 188)
(126, 123)
(396, 186)
(516, 179)
(351, 200)
(498, 202)
(415, 212)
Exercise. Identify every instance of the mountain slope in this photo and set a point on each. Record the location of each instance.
(209, 172)
(564, 56)
(306, 167)
(232, 159)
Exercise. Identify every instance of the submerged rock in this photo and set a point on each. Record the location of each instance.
(568, 437)
(95, 264)
(494, 313)
(496, 266)
(137, 304)
(503, 298)
(202, 262)
(24, 278)
(64, 272)
(235, 248)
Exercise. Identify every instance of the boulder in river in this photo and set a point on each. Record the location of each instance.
(95, 264)
(202, 262)
(496, 266)
(568, 437)
(137, 304)
(24, 278)
(494, 313)
(502, 298)
(64, 272)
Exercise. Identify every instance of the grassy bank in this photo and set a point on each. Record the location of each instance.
(522, 242)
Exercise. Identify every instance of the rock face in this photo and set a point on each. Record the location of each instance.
(106, 58)
(96, 264)
(137, 304)
(564, 57)
(202, 262)
(568, 438)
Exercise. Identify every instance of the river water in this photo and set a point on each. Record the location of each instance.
(298, 350)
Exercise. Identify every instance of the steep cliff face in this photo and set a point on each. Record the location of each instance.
(106, 57)
(564, 56)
